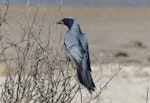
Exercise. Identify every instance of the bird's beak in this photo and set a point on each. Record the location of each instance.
(60, 22)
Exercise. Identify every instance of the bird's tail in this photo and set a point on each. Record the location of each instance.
(86, 80)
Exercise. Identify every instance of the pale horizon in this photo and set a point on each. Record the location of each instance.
(101, 3)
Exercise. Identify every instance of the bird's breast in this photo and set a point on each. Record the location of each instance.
(70, 40)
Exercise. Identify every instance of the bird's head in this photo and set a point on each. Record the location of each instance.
(68, 21)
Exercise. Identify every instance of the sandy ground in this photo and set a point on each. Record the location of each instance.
(117, 36)
(120, 32)
(129, 86)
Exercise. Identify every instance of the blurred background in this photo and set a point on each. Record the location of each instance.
(116, 27)
(119, 32)
(103, 3)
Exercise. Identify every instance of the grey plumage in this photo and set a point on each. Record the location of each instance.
(76, 44)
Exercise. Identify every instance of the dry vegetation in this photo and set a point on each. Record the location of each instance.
(37, 71)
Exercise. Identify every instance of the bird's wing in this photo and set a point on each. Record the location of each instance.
(84, 41)
(75, 54)
(79, 55)
(86, 75)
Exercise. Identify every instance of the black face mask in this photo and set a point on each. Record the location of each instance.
(68, 22)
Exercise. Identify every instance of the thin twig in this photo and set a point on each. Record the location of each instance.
(147, 94)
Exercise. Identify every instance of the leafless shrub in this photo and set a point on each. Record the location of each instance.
(3, 12)
(39, 74)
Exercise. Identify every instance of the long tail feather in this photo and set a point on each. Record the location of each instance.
(86, 80)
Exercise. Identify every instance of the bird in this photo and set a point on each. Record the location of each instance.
(76, 44)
